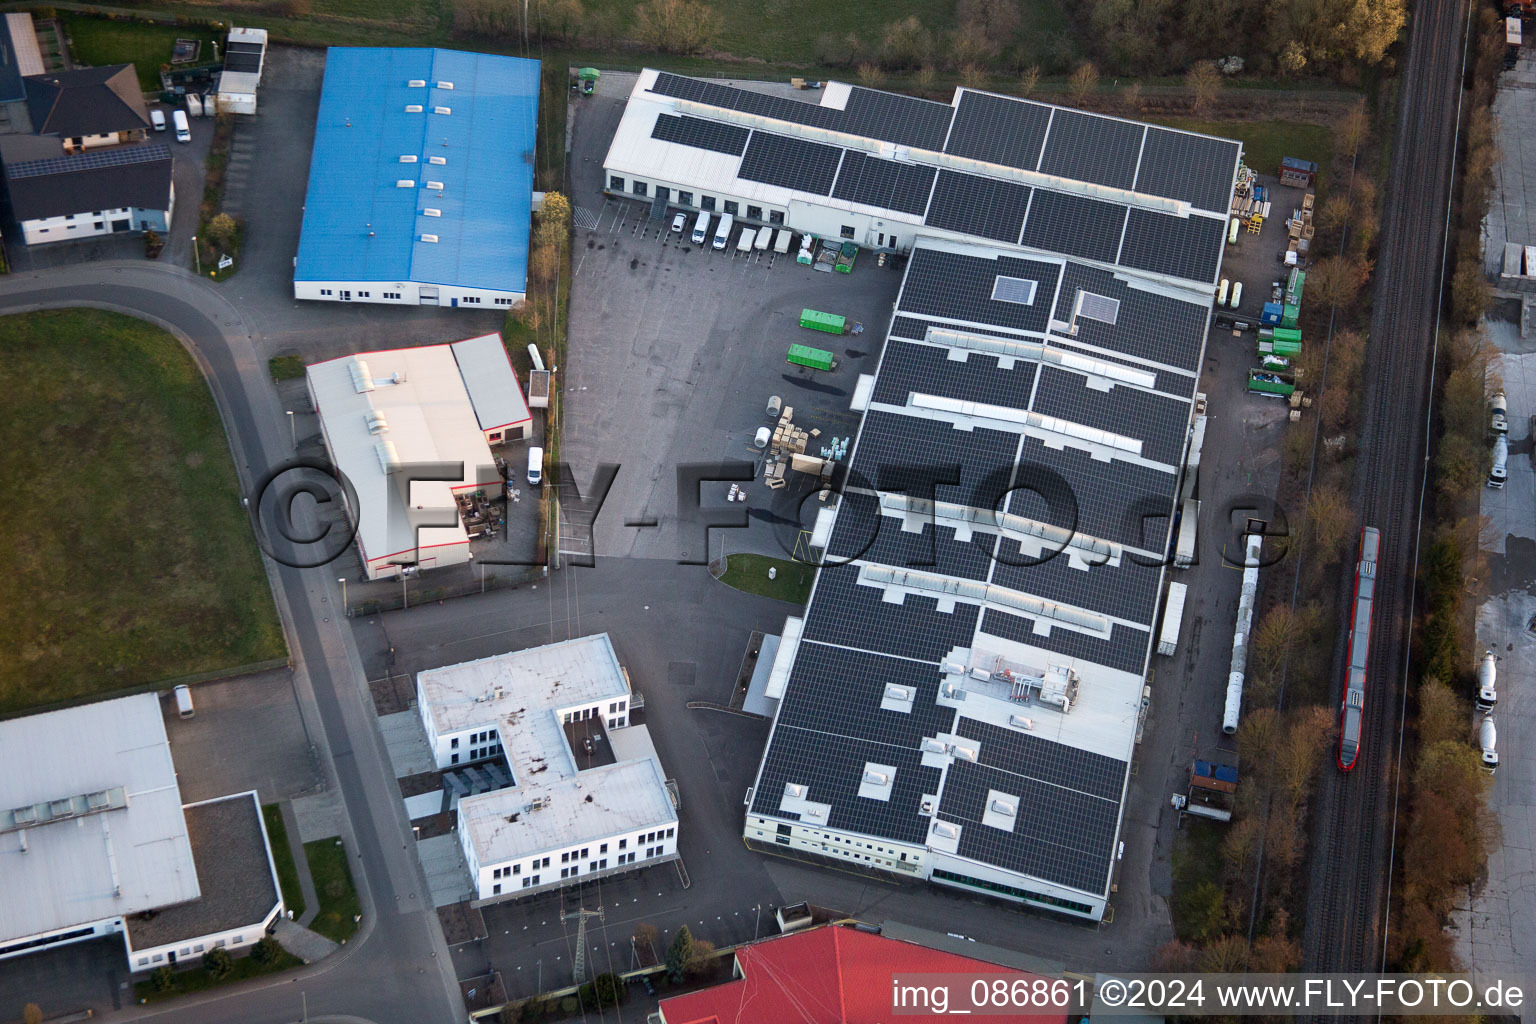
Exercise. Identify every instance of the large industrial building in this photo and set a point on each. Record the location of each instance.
(390, 418)
(584, 795)
(961, 699)
(421, 179)
(95, 841)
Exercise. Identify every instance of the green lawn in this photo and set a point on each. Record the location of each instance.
(99, 42)
(792, 582)
(1265, 142)
(286, 367)
(333, 884)
(197, 980)
(282, 856)
(132, 561)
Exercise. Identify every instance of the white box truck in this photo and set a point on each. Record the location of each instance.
(744, 243)
(1173, 618)
(781, 240)
(764, 236)
(1184, 553)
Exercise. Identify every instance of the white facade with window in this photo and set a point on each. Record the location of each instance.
(564, 818)
(406, 293)
(98, 222)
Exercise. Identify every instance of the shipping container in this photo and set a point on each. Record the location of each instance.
(1274, 346)
(1294, 285)
(831, 323)
(1289, 315)
(1272, 313)
(1287, 334)
(1297, 172)
(815, 358)
(1261, 382)
(1173, 618)
(1222, 778)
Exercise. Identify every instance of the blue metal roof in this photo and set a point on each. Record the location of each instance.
(361, 225)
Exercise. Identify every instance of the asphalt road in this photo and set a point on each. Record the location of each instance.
(398, 967)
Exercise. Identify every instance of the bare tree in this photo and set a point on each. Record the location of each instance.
(1029, 79)
(999, 19)
(1131, 100)
(1083, 81)
(676, 26)
(1353, 127)
(924, 79)
(870, 75)
(973, 76)
(1204, 84)
(905, 43)
(1292, 59)
(1330, 522)
(32, 1014)
(1275, 637)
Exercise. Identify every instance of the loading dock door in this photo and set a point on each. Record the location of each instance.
(427, 296)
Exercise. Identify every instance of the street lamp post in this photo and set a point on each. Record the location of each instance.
(293, 431)
(197, 256)
(343, 581)
(405, 597)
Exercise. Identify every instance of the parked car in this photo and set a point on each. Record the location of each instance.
(679, 223)
(157, 118)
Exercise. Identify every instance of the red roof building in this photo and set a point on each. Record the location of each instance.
(831, 975)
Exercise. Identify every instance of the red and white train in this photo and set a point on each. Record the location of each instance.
(1352, 711)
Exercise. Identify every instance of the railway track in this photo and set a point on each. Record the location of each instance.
(1353, 826)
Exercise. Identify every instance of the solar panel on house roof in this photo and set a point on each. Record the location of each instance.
(242, 61)
(1074, 225)
(1195, 168)
(790, 163)
(1187, 247)
(998, 130)
(986, 207)
(1090, 147)
(884, 183)
(701, 134)
(91, 159)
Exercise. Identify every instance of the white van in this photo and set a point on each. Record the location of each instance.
(701, 228)
(184, 701)
(1500, 468)
(157, 118)
(723, 231)
(744, 243)
(535, 465)
(183, 132)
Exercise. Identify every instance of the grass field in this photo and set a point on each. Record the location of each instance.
(792, 582)
(131, 558)
(282, 856)
(1265, 142)
(339, 906)
(99, 42)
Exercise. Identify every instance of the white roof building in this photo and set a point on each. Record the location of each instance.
(91, 828)
(244, 57)
(383, 413)
(557, 814)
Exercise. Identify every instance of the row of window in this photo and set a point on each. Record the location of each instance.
(585, 853)
(1008, 890)
(617, 183)
(185, 951)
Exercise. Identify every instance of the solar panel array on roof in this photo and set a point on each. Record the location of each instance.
(985, 207)
(701, 134)
(998, 130)
(1187, 247)
(927, 369)
(888, 184)
(906, 120)
(790, 163)
(946, 284)
(243, 57)
(1195, 168)
(1074, 225)
(92, 159)
(1090, 147)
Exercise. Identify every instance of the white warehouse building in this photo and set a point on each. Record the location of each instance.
(588, 796)
(384, 412)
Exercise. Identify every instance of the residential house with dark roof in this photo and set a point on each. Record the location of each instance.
(57, 196)
(89, 107)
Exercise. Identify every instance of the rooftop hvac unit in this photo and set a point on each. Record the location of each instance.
(895, 692)
(1020, 722)
(431, 212)
(408, 158)
(429, 238)
(398, 377)
(417, 83)
(413, 108)
(442, 110)
(445, 85)
(1006, 808)
(362, 380)
(963, 753)
(435, 185)
(794, 789)
(925, 806)
(377, 422)
(405, 183)
(945, 829)
(439, 160)
(389, 459)
(934, 746)
(876, 779)
(500, 692)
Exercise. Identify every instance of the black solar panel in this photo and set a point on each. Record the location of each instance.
(945, 284)
(790, 163)
(1159, 422)
(1195, 168)
(885, 183)
(985, 207)
(244, 48)
(897, 452)
(880, 115)
(701, 134)
(1089, 147)
(998, 130)
(926, 369)
(1126, 649)
(1117, 501)
(247, 63)
(90, 160)
(1061, 835)
(933, 549)
(1045, 760)
(1150, 326)
(1074, 225)
(856, 616)
(838, 691)
(1126, 591)
(1187, 247)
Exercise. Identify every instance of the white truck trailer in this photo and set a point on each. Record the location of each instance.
(1173, 618)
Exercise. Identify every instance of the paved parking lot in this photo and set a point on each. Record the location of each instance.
(247, 733)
